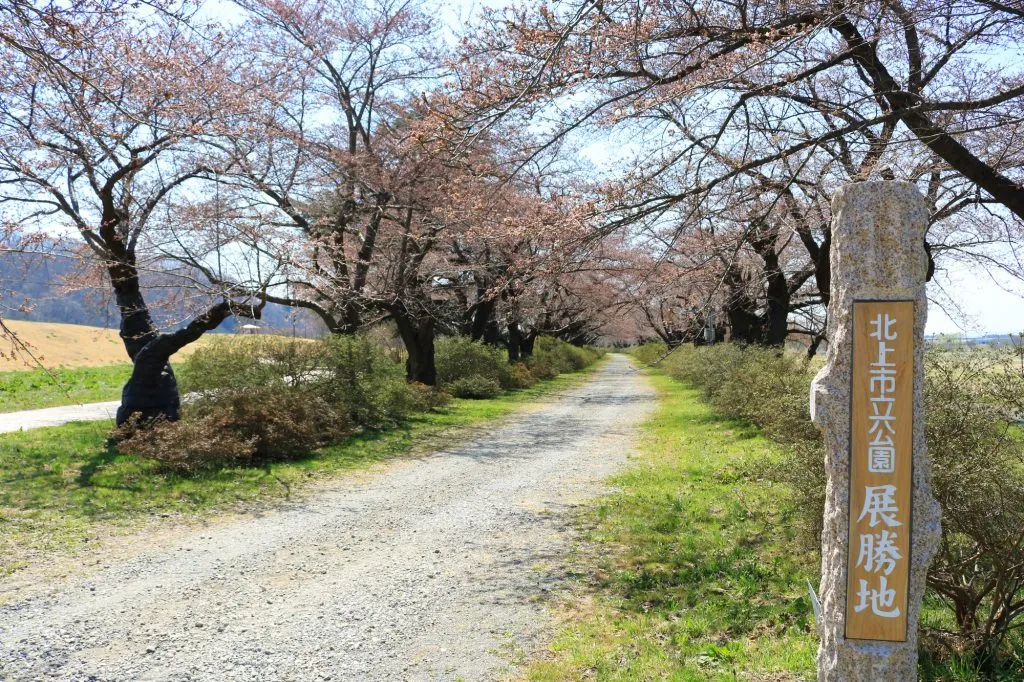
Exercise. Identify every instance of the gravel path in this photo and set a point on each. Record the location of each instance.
(55, 416)
(433, 568)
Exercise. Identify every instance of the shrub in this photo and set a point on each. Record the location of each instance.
(541, 369)
(257, 398)
(185, 446)
(359, 378)
(235, 425)
(281, 422)
(234, 362)
(562, 356)
(349, 373)
(971, 399)
(426, 398)
(520, 376)
(475, 387)
(459, 358)
(649, 353)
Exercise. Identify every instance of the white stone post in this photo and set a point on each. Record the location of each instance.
(877, 255)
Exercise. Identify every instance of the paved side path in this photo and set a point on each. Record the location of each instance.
(431, 569)
(55, 416)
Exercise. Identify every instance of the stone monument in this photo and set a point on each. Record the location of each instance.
(881, 521)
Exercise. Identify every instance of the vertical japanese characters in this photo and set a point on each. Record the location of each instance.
(880, 463)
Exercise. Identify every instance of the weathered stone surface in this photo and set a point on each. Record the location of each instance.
(877, 253)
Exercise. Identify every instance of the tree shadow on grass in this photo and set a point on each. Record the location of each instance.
(96, 462)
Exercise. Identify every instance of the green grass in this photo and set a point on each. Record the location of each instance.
(60, 486)
(690, 569)
(36, 388)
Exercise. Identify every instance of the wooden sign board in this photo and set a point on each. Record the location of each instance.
(881, 470)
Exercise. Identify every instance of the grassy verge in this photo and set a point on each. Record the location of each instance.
(59, 485)
(36, 388)
(690, 569)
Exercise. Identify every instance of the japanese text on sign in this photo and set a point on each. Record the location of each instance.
(881, 439)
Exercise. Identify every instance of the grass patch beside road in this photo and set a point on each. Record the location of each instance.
(37, 388)
(690, 571)
(59, 485)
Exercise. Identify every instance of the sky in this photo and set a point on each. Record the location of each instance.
(991, 309)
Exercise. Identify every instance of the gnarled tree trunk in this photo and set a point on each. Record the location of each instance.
(526, 347)
(418, 337)
(515, 342)
(776, 319)
(152, 389)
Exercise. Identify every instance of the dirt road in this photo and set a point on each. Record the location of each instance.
(55, 416)
(429, 569)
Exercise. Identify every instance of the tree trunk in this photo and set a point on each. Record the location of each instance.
(515, 342)
(351, 320)
(482, 317)
(741, 311)
(418, 338)
(823, 270)
(152, 390)
(526, 347)
(492, 333)
(776, 322)
(812, 349)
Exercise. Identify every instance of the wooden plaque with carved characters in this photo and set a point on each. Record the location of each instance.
(881, 470)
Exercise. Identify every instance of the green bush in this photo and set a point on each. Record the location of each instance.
(971, 401)
(560, 356)
(281, 422)
(239, 362)
(541, 369)
(459, 358)
(360, 378)
(426, 398)
(520, 376)
(475, 387)
(255, 399)
(649, 353)
(186, 446)
(351, 374)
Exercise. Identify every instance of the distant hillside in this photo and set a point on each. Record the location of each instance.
(37, 281)
(954, 340)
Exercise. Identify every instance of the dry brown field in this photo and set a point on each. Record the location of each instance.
(67, 345)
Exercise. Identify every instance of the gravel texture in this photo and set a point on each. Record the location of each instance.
(434, 568)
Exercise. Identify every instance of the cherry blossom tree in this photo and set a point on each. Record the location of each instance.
(356, 184)
(102, 122)
(722, 108)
